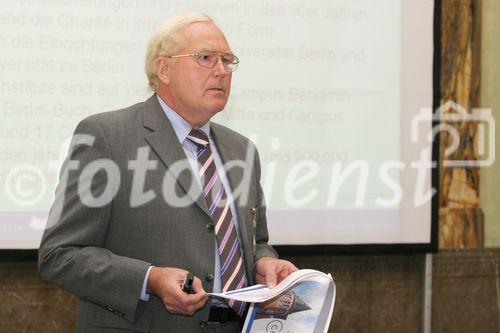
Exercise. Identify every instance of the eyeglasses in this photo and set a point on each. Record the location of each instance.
(208, 59)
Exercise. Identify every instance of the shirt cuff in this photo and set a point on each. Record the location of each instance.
(145, 295)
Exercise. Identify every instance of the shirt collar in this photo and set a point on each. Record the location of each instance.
(180, 125)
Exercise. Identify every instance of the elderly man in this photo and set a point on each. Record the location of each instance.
(154, 191)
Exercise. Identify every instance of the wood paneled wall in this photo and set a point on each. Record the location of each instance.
(460, 215)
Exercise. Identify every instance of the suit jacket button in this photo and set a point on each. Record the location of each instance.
(210, 227)
(203, 324)
(209, 277)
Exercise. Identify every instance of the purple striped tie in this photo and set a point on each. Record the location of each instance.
(231, 261)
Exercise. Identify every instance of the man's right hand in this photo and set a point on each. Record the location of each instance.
(166, 283)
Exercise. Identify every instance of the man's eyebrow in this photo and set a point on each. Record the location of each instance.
(207, 49)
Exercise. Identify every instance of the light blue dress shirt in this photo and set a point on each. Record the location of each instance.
(182, 129)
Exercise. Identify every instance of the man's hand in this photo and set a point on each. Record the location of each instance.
(271, 271)
(167, 282)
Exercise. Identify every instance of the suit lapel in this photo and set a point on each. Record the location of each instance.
(165, 144)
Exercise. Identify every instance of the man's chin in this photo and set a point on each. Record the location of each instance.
(217, 107)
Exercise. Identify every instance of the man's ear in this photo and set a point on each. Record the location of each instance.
(162, 67)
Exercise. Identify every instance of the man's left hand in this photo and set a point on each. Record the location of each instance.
(271, 271)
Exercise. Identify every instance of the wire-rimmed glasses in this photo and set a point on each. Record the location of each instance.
(208, 59)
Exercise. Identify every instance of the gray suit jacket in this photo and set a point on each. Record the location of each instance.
(101, 252)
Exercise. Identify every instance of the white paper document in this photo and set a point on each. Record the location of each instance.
(301, 303)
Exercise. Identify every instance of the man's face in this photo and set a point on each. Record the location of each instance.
(195, 92)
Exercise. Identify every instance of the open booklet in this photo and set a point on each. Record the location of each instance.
(301, 303)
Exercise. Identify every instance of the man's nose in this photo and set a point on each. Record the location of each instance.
(218, 68)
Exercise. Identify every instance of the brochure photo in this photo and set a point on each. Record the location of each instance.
(303, 308)
(301, 303)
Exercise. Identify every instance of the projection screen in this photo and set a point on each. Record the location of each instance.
(330, 92)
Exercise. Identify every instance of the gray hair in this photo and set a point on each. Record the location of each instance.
(165, 40)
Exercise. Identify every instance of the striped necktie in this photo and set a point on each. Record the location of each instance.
(231, 261)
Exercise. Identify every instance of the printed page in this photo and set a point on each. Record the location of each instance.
(305, 307)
